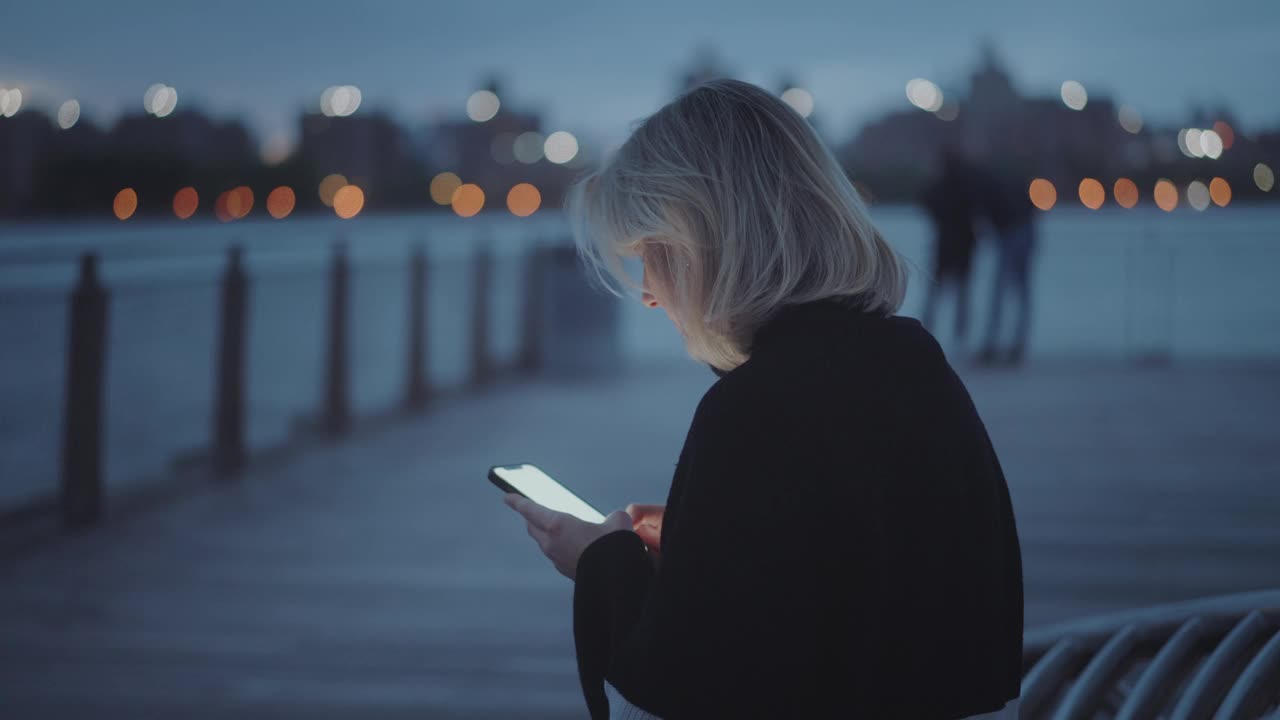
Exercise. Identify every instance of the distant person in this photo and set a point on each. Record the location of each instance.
(950, 203)
(1012, 216)
(838, 538)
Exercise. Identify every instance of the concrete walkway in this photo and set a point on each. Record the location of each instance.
(383, 577)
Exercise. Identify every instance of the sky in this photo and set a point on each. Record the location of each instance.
(594, 68)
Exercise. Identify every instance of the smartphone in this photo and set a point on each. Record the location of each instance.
(529, 480)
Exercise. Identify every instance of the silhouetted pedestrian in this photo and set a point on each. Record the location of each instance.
(950, 203)
(1008, 207)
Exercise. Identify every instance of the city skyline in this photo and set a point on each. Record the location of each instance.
(595, 70)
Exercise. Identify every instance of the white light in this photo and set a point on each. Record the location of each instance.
(1193, 143)
(10, 101)
(355, 97)
(1074, 95)
(340, 100)
(1211, 144)
(326, 101)
(149, 97)
(160, 99)
(924, 94)
(800, 100)
(528, 147)
(68, 114)
(1130, 119)
(1198, 195)
(166, 100)
(482, 106)
(344, 100)
(1263, 177)
(560, 147)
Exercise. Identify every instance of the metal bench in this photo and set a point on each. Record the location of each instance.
(1211, 658)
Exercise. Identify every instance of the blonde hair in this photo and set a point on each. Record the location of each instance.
(738, 209)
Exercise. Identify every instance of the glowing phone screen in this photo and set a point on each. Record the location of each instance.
(544, 490)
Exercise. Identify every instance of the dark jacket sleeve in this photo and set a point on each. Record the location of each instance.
(726, 609)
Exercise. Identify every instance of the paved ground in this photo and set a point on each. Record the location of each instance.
(383, 577)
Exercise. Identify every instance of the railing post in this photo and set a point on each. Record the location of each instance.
(337, 411)
(417, 389)
(481, 367)
(531, 315)
(229, 401)
(81, 492)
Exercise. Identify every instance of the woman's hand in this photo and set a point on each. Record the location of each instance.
(647, 522)
(562, 536)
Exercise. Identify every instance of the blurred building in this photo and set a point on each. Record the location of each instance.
(996, 125)
(370, 149)
(188, 138)
(24, 141)
(500, 151)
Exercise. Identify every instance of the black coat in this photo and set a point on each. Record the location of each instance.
(838, 542)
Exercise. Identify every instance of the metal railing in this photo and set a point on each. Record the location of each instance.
(80, 492)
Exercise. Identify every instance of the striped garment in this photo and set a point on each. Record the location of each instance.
(620, 709)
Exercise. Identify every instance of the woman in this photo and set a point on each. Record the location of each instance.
(838, 539)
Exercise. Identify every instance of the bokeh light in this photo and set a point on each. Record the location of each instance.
(1189, 142)
(1182, 143)
(1043, 194)
(560, 147)
(185, 202)
(275, 149)
(280, 202)
(125, 204)
(239, 202)
(68, 114)
(1074, 95)
(346, 100)
(149, 97)
(1126, 193)
(1263, 177)
(949, 111)
(524, 200)
(10, 101)
(528, 147)
(220, 207)
(1166, 195)
(348, 201)
(1130, 119)
(443, 187)
(329, 186)
(1092, 194)
(340, 100)
(1198, 195)
(924, 94)
(1220, 191)
(482, 105)
(467, 200)
(1210, 144)
(160, 100)
(799, 99)
(1226, 132)
(167, 101)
